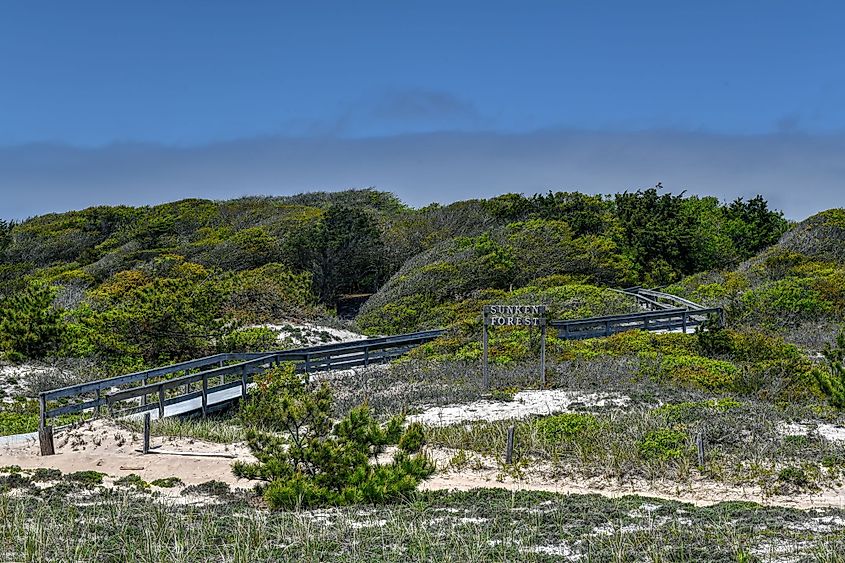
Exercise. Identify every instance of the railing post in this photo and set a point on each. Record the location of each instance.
(45, 433)
(307, 364)
(243, 382)
(146, 448)
(543, 355)
(144, 396)
(204, 395)
(684, 322)
(160, 401)
(366, 356)
(97, 408)
(509, 447)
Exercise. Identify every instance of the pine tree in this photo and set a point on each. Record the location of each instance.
(30, 327)
(307, 460)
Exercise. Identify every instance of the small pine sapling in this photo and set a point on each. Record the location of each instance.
(308, 460)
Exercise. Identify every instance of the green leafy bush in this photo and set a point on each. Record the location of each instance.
(166, 482)
(663, 444)
(566, 426)
(832, 381)
(307, 460)
(253, 339)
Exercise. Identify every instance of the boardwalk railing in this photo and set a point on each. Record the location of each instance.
(663, 320)
(657, 300)
(217, 373)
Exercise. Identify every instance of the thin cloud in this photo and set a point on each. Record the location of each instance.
(423, 104)
(800, 174)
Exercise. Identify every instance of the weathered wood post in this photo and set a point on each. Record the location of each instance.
(509, 450)
(204, 395)
(543, 352)
(160, 401)
(684, 321)
(699, 442)
(146, 448)
(97, 408)
(45, 432)
(366, 356)
(485, 366)
(144, 396)
(243, 382)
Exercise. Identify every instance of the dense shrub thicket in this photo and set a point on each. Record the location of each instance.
(795, 287)
(130, 287)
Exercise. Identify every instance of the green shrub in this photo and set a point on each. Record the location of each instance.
(46, 474)
(133, 480)
(167, 482)
(832, 380)
(664, 444)
(86, 478)
(566, 426)
(309, 461)
(692, 371)
(254, 339)
(691, 411)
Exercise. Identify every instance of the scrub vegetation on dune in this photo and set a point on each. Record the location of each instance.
(336, 461)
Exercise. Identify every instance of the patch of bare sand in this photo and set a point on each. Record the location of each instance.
(484, 472)
(102, 446)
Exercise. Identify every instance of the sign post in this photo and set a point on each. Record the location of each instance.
(513, 315)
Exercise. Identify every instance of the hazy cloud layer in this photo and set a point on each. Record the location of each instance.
(800, 174)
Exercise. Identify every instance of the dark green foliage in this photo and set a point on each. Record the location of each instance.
(566, 426)
(344, 252)
(663, 444)
(30, 326)
(752, 226)
(86, 478)
(155, 319)
(211, 488)
(308, 460)
(133, 481)
(713, 339)
(166, 482)
(832, 382)
(46, 474)
(258, 339)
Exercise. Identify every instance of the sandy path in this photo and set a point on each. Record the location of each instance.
(101, 446)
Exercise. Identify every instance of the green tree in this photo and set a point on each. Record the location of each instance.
(752, 226)
(344, 251)
(30, 327)
(308, 460)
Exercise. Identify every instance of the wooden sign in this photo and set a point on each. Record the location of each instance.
(513, 315)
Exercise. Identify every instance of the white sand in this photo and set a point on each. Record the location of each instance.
(15, 379)
(307, 334)
(830, 431)
(524, 404)
(102, 446)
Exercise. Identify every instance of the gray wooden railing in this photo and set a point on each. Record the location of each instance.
(217, 373)
(662, 320)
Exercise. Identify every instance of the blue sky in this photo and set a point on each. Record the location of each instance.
(117, 102)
